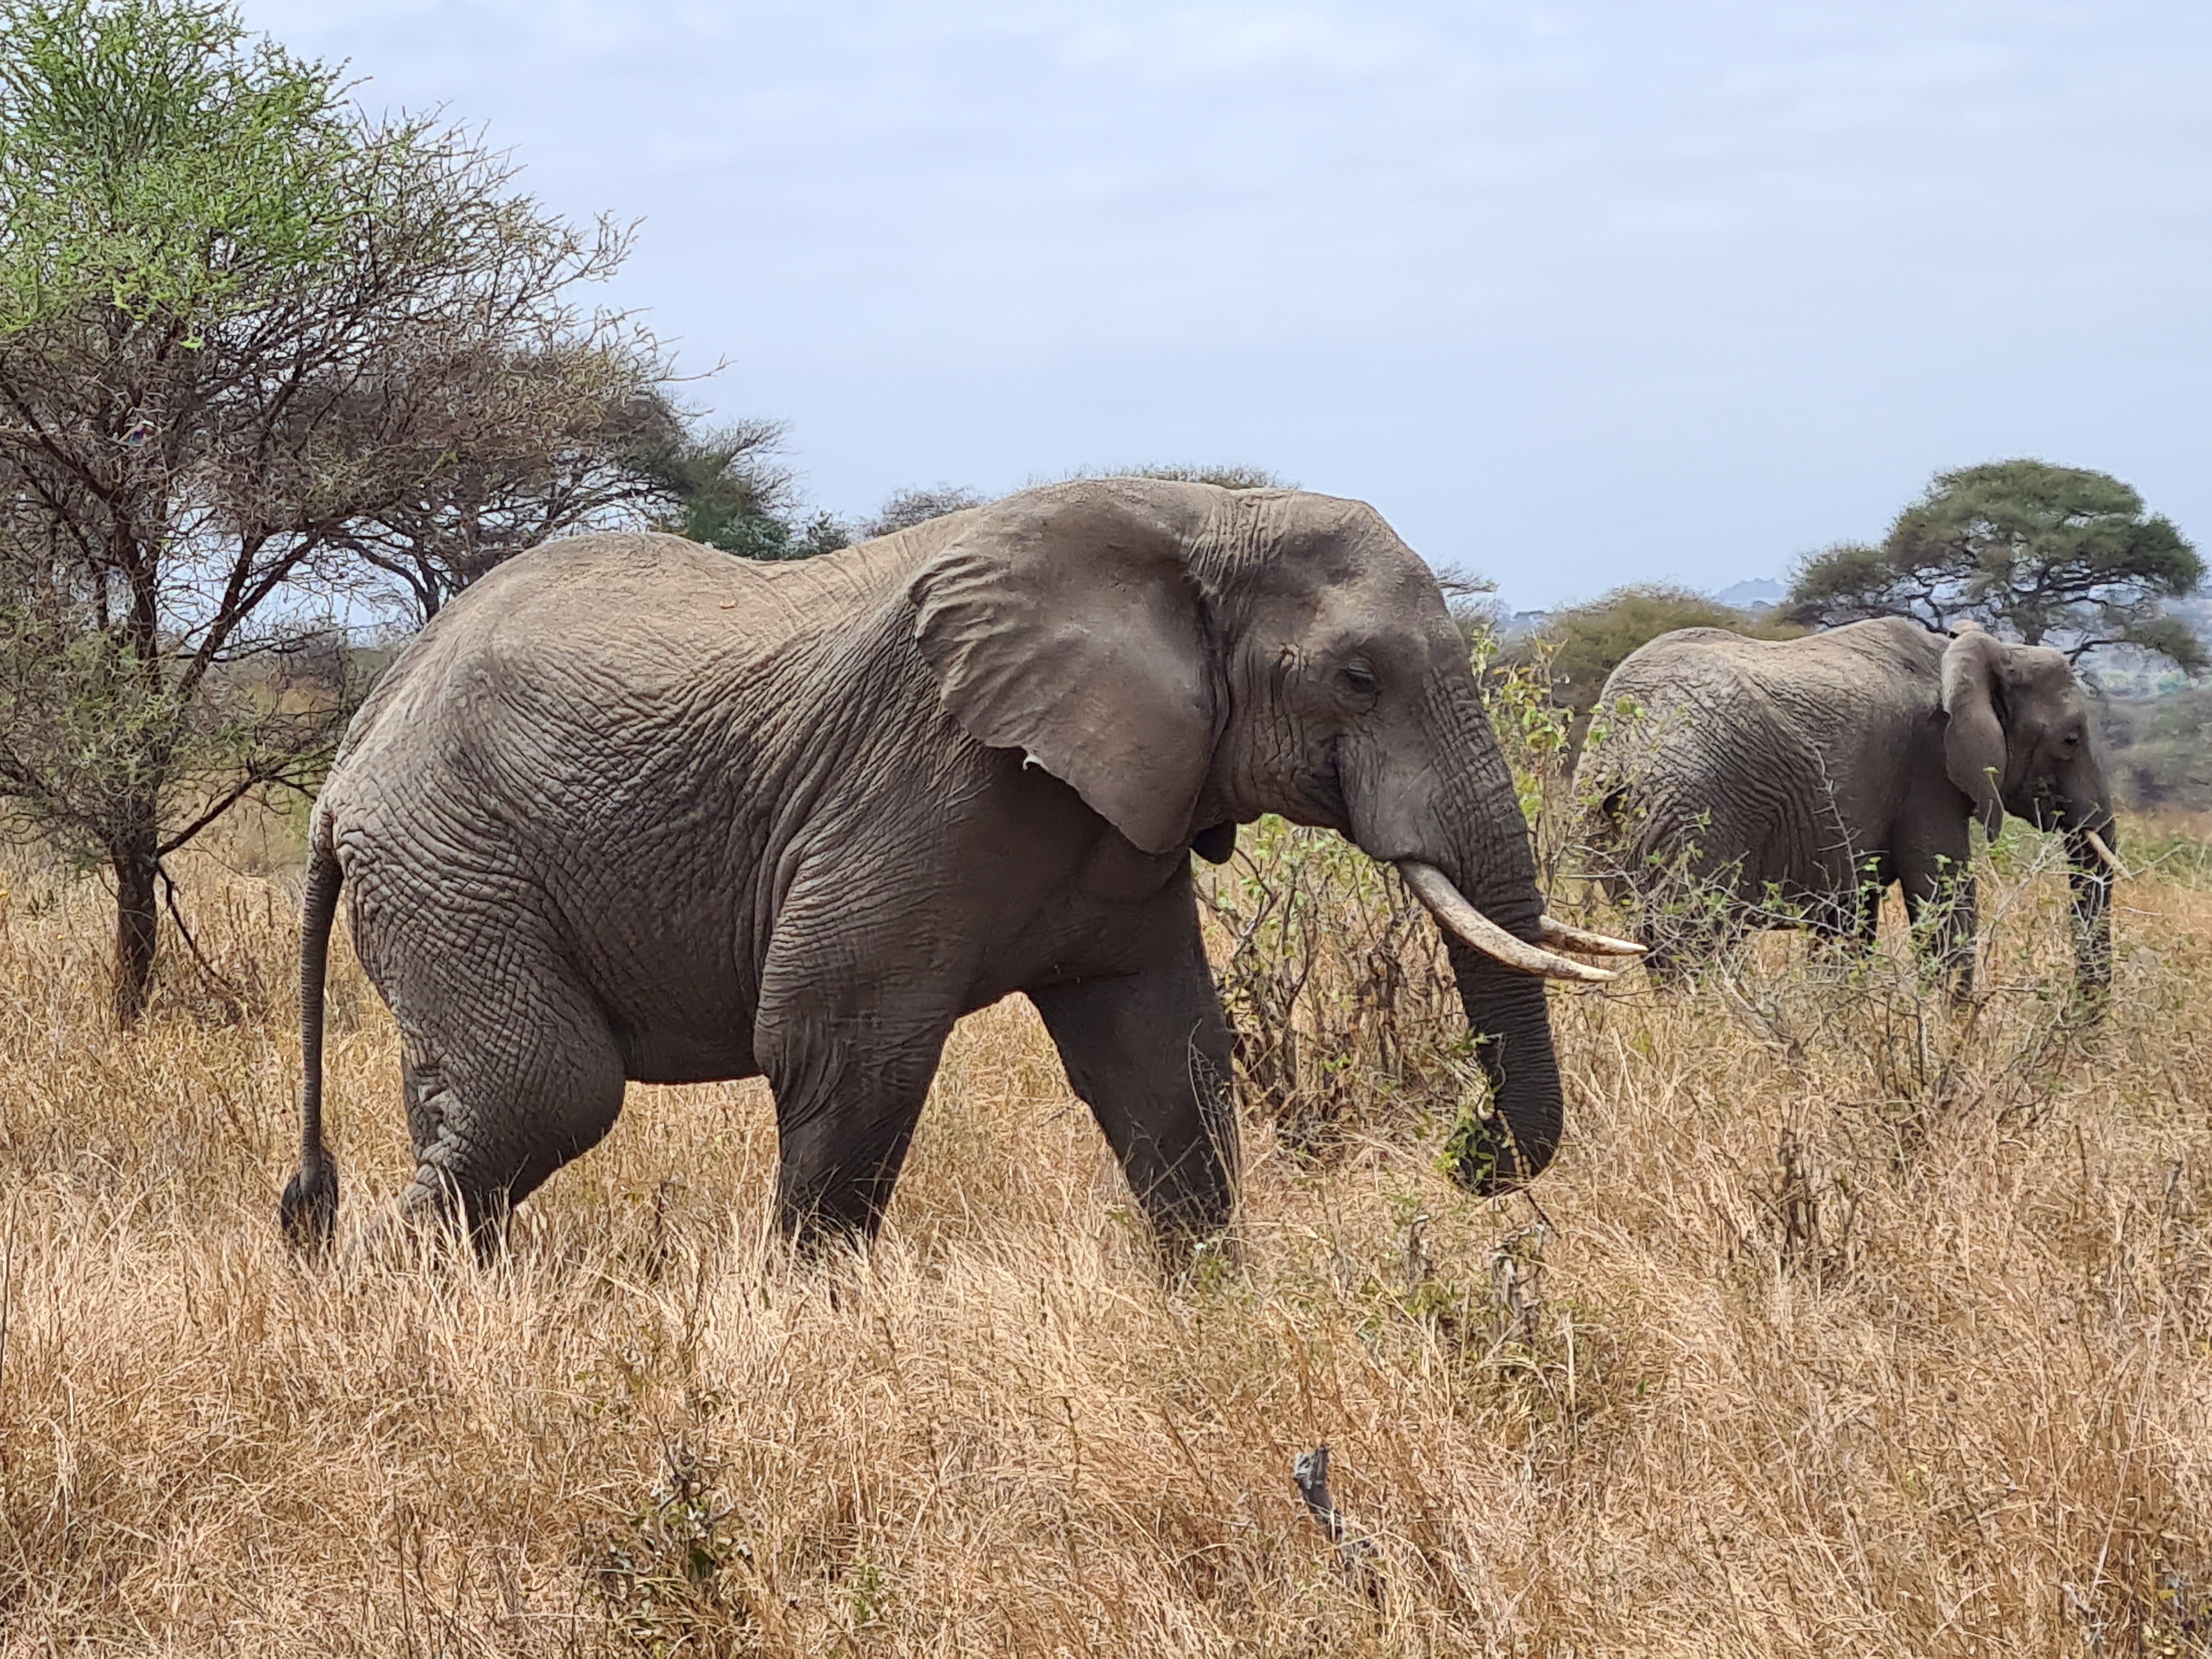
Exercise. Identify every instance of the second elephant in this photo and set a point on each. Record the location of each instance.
(1795, 780)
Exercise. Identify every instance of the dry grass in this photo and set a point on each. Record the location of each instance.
(1834, 1336)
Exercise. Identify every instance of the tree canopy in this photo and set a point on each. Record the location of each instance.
(2047, 555)
(1584, 643)
(256, 350)
(904, 508)
(725, 487)
(580, 464)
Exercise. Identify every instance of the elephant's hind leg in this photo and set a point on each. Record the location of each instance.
(500, 1097)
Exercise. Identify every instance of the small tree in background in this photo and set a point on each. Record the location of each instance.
(1585, 643)
(247, 340)
(908, 507)
(1228, 478)
(2043, 554)
(918, 504)
(725, 487)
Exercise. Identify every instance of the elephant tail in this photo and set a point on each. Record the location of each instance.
(310, 1208)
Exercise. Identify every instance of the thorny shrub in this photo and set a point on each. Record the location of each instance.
(1346, 1016)
(675, 1575)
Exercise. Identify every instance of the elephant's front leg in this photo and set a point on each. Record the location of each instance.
(1149, 1052)
(1942, 901)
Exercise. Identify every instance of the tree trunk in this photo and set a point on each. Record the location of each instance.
(135, 917)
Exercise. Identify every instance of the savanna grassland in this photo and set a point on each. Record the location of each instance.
(1847, 1322)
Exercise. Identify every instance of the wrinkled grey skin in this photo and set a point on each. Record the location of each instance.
(631, 808)
(1789, 766)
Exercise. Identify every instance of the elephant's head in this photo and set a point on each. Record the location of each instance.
(1189, 658)
(2020, 740)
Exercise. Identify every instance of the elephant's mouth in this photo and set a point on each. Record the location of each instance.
(2088, 826)
(2038, 805)
(2053, 808)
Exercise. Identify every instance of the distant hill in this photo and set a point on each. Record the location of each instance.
(1758, 593)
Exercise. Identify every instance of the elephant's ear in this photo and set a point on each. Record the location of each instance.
(1974, 743)
(1071, 628)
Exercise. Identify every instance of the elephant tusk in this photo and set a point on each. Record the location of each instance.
(1590, 943)
(2111, 858)
(1451, 909)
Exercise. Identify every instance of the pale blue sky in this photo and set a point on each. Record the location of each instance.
(1577, 292)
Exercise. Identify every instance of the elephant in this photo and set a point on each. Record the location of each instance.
(1798, 779)
(633, 809)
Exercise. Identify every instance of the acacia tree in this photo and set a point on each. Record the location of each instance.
(244, 331)
(612, 456)
(583, 462)
(2043, 554)
(723, 485)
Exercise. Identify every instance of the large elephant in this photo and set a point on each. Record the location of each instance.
(631, 808)
(1796, 779)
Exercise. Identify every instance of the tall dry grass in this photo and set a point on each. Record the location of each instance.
(1846, 1323)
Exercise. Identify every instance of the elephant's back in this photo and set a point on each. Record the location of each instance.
(579, 757)
(596, 704)
(1844, 665)
(1679, 692)
(1691, 730)
(605, 629)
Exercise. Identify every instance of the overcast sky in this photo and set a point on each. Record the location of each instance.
(1576, 294)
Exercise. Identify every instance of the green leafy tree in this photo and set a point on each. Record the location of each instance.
(2047, 555)
(1584, 643)
(244, 331)
(725, 487)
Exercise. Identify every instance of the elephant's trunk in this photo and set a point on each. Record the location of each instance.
(1512, 1030)
(2092, 855)
(1502, 995)
(1453, 827)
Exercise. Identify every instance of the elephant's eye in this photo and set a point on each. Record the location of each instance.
(1359, 676)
